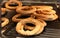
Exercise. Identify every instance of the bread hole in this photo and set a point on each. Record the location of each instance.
(13, 4)
(24, 16)
(29, 24)
(38, 12)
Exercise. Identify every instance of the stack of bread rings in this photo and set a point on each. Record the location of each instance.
(30, 19)
(45, 13)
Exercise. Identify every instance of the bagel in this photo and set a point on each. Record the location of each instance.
(21, 24)
(5, 21)
(10, 4)
(25, 10)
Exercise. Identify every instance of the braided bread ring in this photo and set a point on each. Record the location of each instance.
(20, 25)
(31, 28)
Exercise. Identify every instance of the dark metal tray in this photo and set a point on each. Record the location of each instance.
(52, 30)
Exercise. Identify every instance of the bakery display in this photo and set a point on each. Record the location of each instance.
(35, 16)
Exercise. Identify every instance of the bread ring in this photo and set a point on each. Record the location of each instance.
(25, 10)
(5, 21)
(44, 15)
(21, 24)
(49, 19)
(9, 6)
(31, 28)
(47, 11)
(16, 19)
(43, 7)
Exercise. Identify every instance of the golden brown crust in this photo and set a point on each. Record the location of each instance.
(16, 19)
(49, 19)
(13, 7)
(20, 25)
(47, 11)
(26, 10)
(31, 28)
(43, 7)
(5, 21)
(44, 15)
(47, 16)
